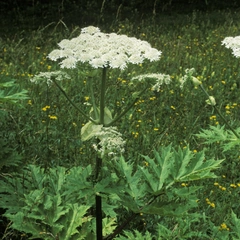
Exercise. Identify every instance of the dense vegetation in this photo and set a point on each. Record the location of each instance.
(42, 150)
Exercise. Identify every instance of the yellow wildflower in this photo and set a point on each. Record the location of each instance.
(146, 163)
(223, 226)
(52, 117)
(45, 108)
(212, 205)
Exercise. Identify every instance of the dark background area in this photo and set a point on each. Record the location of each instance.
(34, 13)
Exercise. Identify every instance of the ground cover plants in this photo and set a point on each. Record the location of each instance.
(162, 186)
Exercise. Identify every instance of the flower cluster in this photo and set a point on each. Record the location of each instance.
(210, 203)
(234, 44)
(159, 79)
(103, 50)
(111, 142)
(224, 226)
(57, 75)
(211, 101)
(188, 76)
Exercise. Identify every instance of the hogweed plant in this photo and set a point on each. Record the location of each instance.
(65, 210)
(102, 51)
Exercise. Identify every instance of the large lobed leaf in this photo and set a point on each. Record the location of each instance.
(156, 188)
(170, 166)
(40, 203)
(227, 139)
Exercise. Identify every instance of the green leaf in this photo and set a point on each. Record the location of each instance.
(158, 169)
(89, 130)
(75, 220)
(164, 232)
(192, 167)
(107, 115)
(58, 178)
(78, 185)
(169, 208)
(44, 201)
(235, 226)
(11, 92)
(217, 134)
(132, 187)
(109, 224)
(135, 235)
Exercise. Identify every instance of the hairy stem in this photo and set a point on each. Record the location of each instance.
(98, 202)
(102, 96)
(93, 101)
(98, 198)
(219, 113)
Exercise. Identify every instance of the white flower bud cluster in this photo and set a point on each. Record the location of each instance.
(187, 76)
(103, 50)
(47, 76)
(111, 142)
(234, 44)
(211, 101)
(158, 78)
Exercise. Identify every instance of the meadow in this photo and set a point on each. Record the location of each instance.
(45, 130)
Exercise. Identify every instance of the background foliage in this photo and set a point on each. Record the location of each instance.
(43, 130)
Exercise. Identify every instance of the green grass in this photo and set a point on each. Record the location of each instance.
(172, 116)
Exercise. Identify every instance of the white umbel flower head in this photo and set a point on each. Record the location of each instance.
(47, 76)
(188, 76)
(111, 142)
(234, 44)
(103, 50)
(158, 80)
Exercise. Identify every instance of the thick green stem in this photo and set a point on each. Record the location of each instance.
(98, 202)
(72, 103)
(102, 96)
(229, 126)
(98, 198)
(93, 101)
(219, 113)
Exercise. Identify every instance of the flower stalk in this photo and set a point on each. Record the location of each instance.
(93, 100)
(102, 96)
(218, 112)
(72, 103)
(98, 198)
